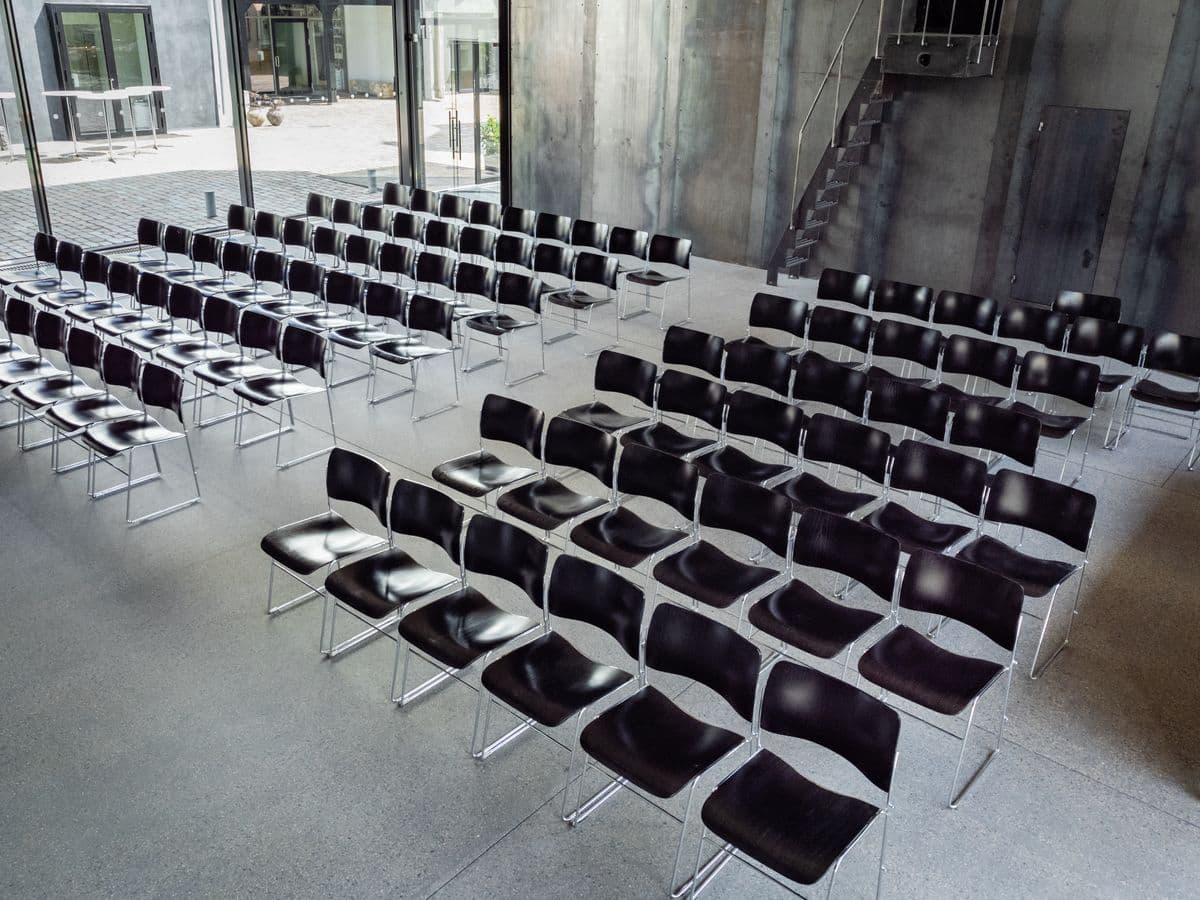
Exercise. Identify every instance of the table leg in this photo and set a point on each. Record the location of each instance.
(152, 109)
(132, 126)
(7, 131)
(72, 114)
(107, 130)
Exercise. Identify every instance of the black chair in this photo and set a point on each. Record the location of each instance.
(104, 304)
(154, 292)
(519, 292)
(407, 226)
(1063, 513)
(1176, 356)
(477, 242)
(762, 419)
(484, 214)
(617, 373)
(237, 259)
(269, 274)
(622, 537)
(1074, 304)
(759, 365)
(513, 250)
(205, 251)
(256, 332)
(423, 201)
(396, 194)
(594, 270)
(844, 444)
(1104, 340)
(774, 313)
(376, 589)
(515, 220)
(187, 303)
(911, 406)
(966, 311)
(913, 344)
(441, 236)
(651, 744)
(45, 250)
(706, 574)
(318, 207)
(674, 257)
(551, 227)
(360, 250)
(547, 503)
(347, 215)
(841, 286)
(1044, 376)
(381, 301)
(697, 349)
(80, 351)
(321, 541)
(398, 260)
(1006, 432)
(377, 222)
(429, 317)
(339, 287)
(159, 389)
(697, 399)
(432, 271)
(806, 619)
(977, 360)
(464, 627)
(1033, 324)
(629, 246)
(297, 235)
(897, 298)
(589, 235)
(68, 260)
(553, 263)
(239, 222)
(472, 280)
(821, 380)
(547, 681)
(304, 290)
(119, 368)
(769, 812)
(268, 226)
(910, 665)
(451, 206)
(22, 319)
(149, 233)
(479, 473)
(328, 245)
(938, 474)
(843, 329)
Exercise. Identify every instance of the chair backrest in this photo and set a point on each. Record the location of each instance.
(451, 206)
(484, 214)
(83, 349)
(1060, 376)
(842, 442)
(505, 551)
(519, 221)
(969, 311)
(119, 366)
(850, 548)
(581, 447)
(122, 278)
(780, 313)
(236, 257)
(93, 267)
(682, 642)
(672, 481)
(845, 287)
(899, 403)
(384, 300)
(220, 315)
(1177, 353)
(674, 251)
(297, 233)
(353, 478)
(431, 315)
(425, 512)
(897, 298)
(319, 206)
(258, 331)
(185, 301)
(396, 194)
(840, 327)
(442, 234)
(148, 232)
(514, 250)
(515, 289)
(947, 586)
(593, 235)
(595, 268)
(407, 226)
(990, 360)
(377, 219)
(342, 288)
(328, 241)
(269, 267)
(585, 592)
(554, 259)
(160, 388)
(68, 256)
(362, 250)
(306, 277)
(758, 364)
(698, 349)
(422, 200)
(476, 241)
(152, 290)
(774, 421)
(434, 269)
(997, 430)
(300, 346)
(512, 422)
(45, 244)
(18, 316)
(550, 227)
(50, 331)
(630, 242)
(240, 218)
(206, 248)
(1110, 340)
(692, 395)
(268, 225)
(1062, 512)
(1074, 304)
(821, 380)
(346, 212)
(940, 472)
(621, 373)
(747, 509)
(397, 259)
(176, 239)
(475, 280)
(803, 703)
(905, 340)
(1037, 324)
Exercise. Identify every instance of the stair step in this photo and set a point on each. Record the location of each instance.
(833, 184)
(792, 261)
(859, 143)
(814, 225)
(847, 164)
(863, 122)
(825, 204)
(805, 242)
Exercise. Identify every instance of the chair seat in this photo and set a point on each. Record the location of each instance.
(733, 462)
(1053, 425)
(31, 287)
(547, 503)
(623, 537)
(759, 342)
(913, 532)
(156, 336)
(810, 492)
(189, 353)
(549, 680)
(115, 436)
(26, 368)
(283, 309)
(876, 374)
(662, 437)
(65, 297)
(655, 744)
(384, 582)
(907, 663)
(1113, 381)
(479, 473)
(1149, 391)
(89, 312)
(267, 389)
(461, 627)
(119, 324)
(306, 546)
(323, 321)
(602, 416)
(44, 391)
(708, 574)
(573, 298)
(958, 396)
(652, 278)
(498, 323)
(222, 372)
(807, 619)
(361, 335)
(1037, 576)
(10, 351)
(772, 813)
(403, 351)
(74, 415)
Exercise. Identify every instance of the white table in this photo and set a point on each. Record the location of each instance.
(148, 91)
(71, 114)
(115, 95)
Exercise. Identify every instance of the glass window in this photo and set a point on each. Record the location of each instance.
(18, 220)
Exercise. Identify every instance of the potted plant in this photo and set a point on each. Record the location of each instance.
(489, 138)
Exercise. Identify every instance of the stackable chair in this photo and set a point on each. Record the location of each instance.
(769, 812)
(621, 536)
(698, 399)
(849, 331)
(153, 292)
(432, 271)
(918, 349)
(318, 208)
(67, 258)
(842, 445)
(481, 472)
(1074, 304)
(911, 406)
(1047, 377)
(69, 418)
(465, 627)
(1176, 356)
(321, 541)
(45, 276)
(515, 220)
(485, 214)
(441, 238)
(1104, 341)
(255, 332)
(80, 350)
(821, 380)
(398, 261)
(396, 194)
(590, 270)
(547, 681)
(674, 257)
(1006, 433)
(382, 302)
(423, 201)
(513, 251)
(695, 349)
(239, 222)
(375, 590)
(268, 226)
(771, 313)
(93, 278)
(476, 242)
(518, 292)
(898, 298)
(910, 665)
(377, 222)
(763, 420)
(629, 246)
(451, 206)
(346, 215)
(473, 280)
(149, 233)
(1057, 511)
(552, 228)
(1037, 325)
(328, 245)
(969, 312)
(360, 250)
(429, 317)
(304, 291)
(648, 743)
(758, 365)
(619, 374)
(978, 361)
(269, 279)
(22, 320)
(205, 254)
(588, 235)
(216, 316)
(408, 229)
(804, 618)
(120, 281)
(840, 286)
(297, 238)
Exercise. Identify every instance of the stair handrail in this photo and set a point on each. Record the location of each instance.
(989, 27)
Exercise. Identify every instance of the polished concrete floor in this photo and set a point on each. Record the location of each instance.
(161, 736)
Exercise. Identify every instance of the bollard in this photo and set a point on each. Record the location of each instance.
(210, 204)
(372, 181)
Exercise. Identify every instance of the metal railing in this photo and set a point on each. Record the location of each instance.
(989, 25)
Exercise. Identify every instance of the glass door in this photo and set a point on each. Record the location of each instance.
(130, 63)
(293, 71)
